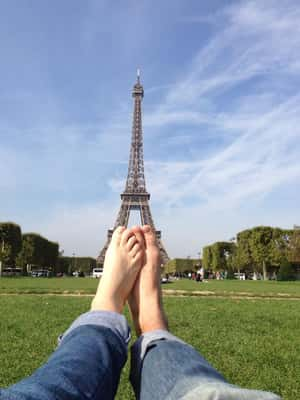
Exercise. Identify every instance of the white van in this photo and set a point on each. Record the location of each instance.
(97, 272)
(240, 276)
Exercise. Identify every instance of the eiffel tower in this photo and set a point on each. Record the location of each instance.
(135, 195)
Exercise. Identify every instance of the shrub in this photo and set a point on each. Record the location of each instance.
(286, 271)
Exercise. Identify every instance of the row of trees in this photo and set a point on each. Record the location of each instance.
(27, 250)
(67, 265)
(37, 251)
(262, 250)
(31, 250)
(10, 242)
(181, 265)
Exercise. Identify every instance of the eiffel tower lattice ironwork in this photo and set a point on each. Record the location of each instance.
(135, 195)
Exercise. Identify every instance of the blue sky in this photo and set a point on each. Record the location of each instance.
(221, 116)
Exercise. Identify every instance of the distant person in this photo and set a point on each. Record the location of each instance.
(93, 351)
(201, 272)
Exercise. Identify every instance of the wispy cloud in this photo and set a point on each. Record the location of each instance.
(257, 44)
(222, 127)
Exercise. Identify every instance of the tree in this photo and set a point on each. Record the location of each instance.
(37, 250)
(279, 248)
(294, 247)
(10, 243)
(170, 267)
(218, 262)
(50, 254)
(286, 271)
(5, 254)
(181, 265)
(26, 258)
(231, 260)
(256, 249)
(269, 246)
(261, 245)
(218, 256)
(207, 258)
(83, 264)
(243, 257)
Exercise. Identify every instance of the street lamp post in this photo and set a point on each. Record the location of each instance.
(72, 264)
(2, 251)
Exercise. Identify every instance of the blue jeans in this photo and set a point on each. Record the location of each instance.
(92, 352)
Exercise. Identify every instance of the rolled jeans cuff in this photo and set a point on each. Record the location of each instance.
(140, 347)
(108, 319)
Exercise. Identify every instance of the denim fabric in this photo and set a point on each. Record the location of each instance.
(86, 365)
(109, 319)
(93, 351)
(164, 367)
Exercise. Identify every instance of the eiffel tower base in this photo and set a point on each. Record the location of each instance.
(163, 254)
(134, 202)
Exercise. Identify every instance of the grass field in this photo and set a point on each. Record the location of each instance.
(88, 286)
(228, 287)
(254, 343)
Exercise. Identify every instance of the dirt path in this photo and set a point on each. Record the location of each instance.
(176, 293)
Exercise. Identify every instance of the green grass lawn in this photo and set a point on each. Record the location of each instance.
(88, 286)
(48, 285)
(268, 288)
(254, 343)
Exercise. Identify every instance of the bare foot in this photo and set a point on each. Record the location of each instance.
(145, 300)
(123, 260)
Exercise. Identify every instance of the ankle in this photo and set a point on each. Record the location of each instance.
(154, 319)
(160, 323)
(107, 304)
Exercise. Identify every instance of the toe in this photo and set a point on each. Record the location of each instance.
(117, 234)
(131, 242)
(139, 257)
(126, 234)
(149, 235)
(136, 249)
(139, 235)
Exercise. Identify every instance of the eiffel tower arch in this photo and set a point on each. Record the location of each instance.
(135, 195)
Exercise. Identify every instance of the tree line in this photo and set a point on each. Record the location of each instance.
(262, 250)
(67, 265)
(25, 250)
(31, 250)
(181, 265)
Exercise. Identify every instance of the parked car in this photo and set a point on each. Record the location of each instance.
(11, 271)
(97, 272)
(240, 276)
(40, 273)
(78, 274)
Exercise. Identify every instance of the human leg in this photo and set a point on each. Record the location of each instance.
(86, 365)
(123, 261)
(92, 352)
(145, 299)
(163, 366)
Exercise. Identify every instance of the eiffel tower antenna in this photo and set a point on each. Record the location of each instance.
(135, 195)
